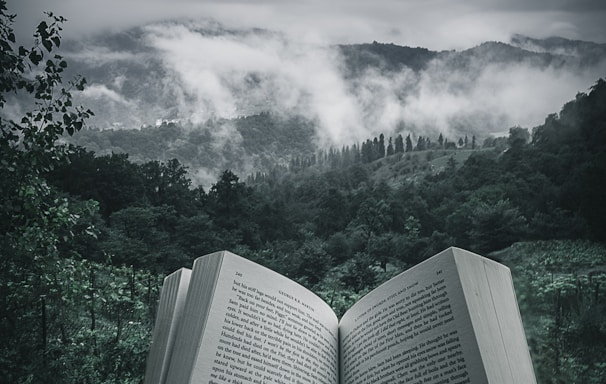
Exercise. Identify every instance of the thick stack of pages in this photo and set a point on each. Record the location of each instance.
(168, 316)
(451, 319)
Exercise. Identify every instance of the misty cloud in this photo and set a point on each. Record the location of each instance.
(195, 76)
(490, 101)
(232, 75)
(97, 56)
(100, 91)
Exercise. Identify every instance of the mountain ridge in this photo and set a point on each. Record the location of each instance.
(131, 73)
(224, 87)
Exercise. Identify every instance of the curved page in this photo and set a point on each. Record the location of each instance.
(265, 328)
(415, 328)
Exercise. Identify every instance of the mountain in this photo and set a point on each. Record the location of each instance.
(244, 145)
(242, 99)
(587, 53)
(387, 57)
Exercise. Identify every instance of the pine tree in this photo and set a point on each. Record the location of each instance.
(399, 148)
(408, 143)
(390, 150)
(374, 153)
(381, 148)
(356, 153)
(421, 145)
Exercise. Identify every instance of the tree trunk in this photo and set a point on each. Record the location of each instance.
(43, 327)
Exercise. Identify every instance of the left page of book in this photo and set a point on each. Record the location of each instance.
(193, 318)
(263, 328)
(170, 309)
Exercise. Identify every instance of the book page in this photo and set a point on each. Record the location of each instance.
(413, 329)
(170, 309)
(497, 322)
(265, 328)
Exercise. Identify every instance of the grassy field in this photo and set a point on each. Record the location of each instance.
(410, 166)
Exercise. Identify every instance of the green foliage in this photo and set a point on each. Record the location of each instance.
(89, 323)
(231, 204)
(167, 184)
(385, 57)
(63, 320)
(494, 226)
(112, 180)
(518, 137)
(572, 145)
(259, 140)
(560, 290)
(27, 147)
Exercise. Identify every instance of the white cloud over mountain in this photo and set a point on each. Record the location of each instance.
(198, 70)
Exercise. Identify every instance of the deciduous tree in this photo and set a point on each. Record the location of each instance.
(34, 218)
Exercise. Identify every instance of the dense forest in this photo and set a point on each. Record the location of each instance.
(86, 239)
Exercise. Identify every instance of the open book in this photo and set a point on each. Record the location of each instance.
(451, 319)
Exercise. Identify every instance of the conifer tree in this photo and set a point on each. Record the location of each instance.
(399, 146)
(408, 144)
(390, 150)
(381, 148)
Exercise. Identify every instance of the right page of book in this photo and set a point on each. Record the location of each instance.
(494, 311)
(415, 328)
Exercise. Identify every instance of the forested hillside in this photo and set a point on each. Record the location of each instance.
(342, 221)
(245, 144)
(86, 238)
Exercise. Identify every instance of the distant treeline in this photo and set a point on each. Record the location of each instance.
(375, 149)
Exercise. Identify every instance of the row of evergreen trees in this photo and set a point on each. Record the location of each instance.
(375, 149)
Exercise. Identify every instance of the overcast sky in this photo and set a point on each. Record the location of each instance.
(434, 24)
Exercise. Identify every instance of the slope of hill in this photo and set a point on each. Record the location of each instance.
(587, 53)
(385, 57)
(245, 145)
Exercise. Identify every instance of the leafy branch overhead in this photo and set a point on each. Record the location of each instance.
(36, 74)
(36, 220)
